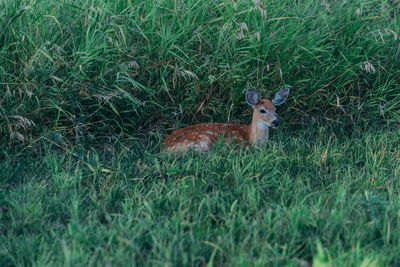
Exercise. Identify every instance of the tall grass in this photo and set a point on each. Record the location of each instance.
(308, 198)
(88, 88)
(93, 69)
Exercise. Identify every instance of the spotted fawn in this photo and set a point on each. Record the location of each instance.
(201, 137)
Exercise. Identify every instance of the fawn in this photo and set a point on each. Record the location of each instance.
(202, 136)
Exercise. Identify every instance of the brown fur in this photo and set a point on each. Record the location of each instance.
(203, 136)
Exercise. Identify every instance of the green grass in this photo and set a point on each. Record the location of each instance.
(93, 69)
(310, 196)
(88, 89)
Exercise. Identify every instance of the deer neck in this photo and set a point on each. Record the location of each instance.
(258, 131)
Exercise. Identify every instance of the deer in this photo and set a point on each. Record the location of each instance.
(201, 137)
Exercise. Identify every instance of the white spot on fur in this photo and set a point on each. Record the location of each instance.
(203, 145)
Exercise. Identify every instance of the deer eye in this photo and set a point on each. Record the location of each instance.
(263, 111)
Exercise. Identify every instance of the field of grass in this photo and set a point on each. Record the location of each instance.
(90, 88)
(310, 196)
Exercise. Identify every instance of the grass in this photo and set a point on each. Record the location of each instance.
(95, 69)
(90, 87)
(309, 197)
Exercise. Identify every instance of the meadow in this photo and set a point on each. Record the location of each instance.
(90, 88)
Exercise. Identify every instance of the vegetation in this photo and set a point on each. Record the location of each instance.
(90, 88)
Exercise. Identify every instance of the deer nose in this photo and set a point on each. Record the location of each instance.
(275, 123)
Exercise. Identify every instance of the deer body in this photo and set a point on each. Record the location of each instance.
(202, 136)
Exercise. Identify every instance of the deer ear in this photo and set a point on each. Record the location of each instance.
(251, 97)
(281, 97)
